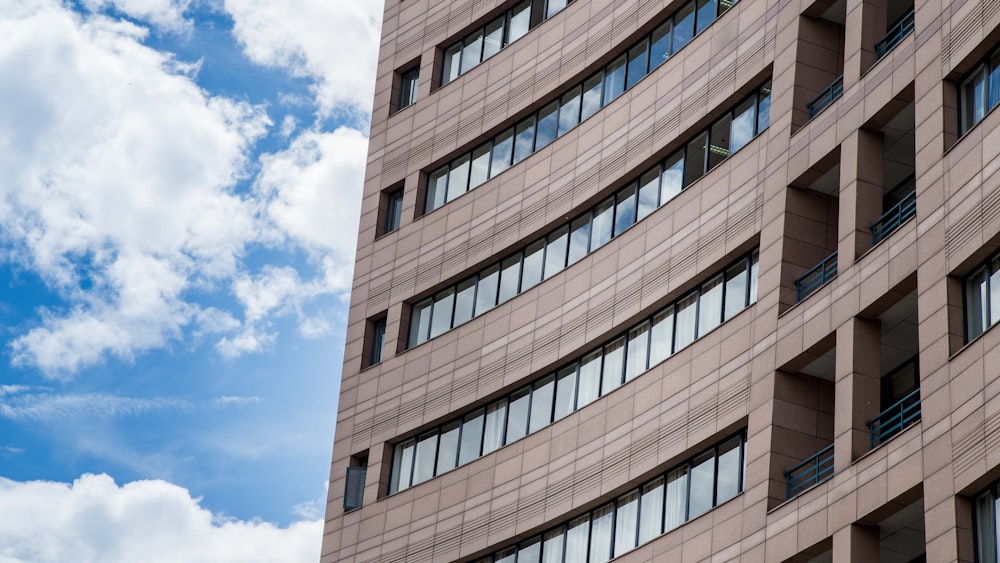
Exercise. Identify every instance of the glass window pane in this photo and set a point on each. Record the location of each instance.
(659, 49)
(973, 99)
(555, 6)
(408, 87)
(579, 238)
(393, 212)
(517, 415)
(486, 292)
(673, 177)
(447, 453)
(683, 26)
(638, 63)
(651, 510)
(976, 301)
(591, 96)
(728, 483)
(531, 273)
(649, 193)
(661, 336)
(694, 163)
(537, 13)
(614, 364)
(555, 251)
(465, 300)
(423, 460)
(565, 392)
(576, 538)
(600, 534)
(736, 289)
(626, 522)
(493, 40)
(710, 308)
(508, 555)
(530, 551)
(590, 379)
(742, 128)
(503, 151)
(524, 140)
(995, 292)
(547, 125)
(702, 483)
(677, 492)
(510, 272)
(402, 466)
(724, 6)
(764, 107)
(552, 549)
(437, 184)
(496, 416)
(472, 51)
(520, 21)
(602, 223)
(541, 403)
(472, 437)
(458, 179)
(706, 14)
(420, 322)
(718, 149)
(638, 347)
(444, 304)
(993, 86)
(986, 536)
(480, 166)
(685, 328)
(452, 63)
(614, 79)
(624, 209)
(569, 110)
(754, 268)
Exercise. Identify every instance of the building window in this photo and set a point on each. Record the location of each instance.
(577, 384)
(581, 101)
(644, 513)
(391, 209)
(374, 340)
(354, 484)
(979, 92)
(982, 298)
(408, 82)
(987, 536)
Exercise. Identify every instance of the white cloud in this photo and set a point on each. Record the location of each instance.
(95, 520)
(335, 43)
(164, 14)
(39, 404)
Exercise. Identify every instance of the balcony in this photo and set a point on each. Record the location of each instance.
(894, 36)
(892, 219)
(894, 419)
(817, 276)
(826, 97)
(812, 471)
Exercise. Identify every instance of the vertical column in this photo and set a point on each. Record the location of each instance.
(856, 544)
(860, 194)
(857, 388)
(864, 27)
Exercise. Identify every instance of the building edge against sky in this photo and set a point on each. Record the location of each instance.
(676, 281)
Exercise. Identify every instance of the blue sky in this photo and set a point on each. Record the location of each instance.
(179, 189)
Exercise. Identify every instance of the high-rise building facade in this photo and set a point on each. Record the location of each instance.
(689, 280)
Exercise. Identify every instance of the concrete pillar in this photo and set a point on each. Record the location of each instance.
(861, 182)
(865, 26)
(856, 543)
(857, 388)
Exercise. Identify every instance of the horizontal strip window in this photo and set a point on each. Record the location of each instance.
(979, 92)
(642, 514)
(982, 298)
(574, 106)
(586, 233)
(487, 41)
(579, 383)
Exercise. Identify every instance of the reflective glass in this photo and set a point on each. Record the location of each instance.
(541, 403)
(472, 50)
(496, 417)
(624, 209)
(402, 464)
(614, 364)
(677, 493)
(977, 304)
(614, 79)
(743, 123)
(728, 482)
(600, 533)
(565, 392)
(649, 193)
(447, 448)
(423, 459)
(683, 26)
(626, 522)
(547, 125)
(531, 271)
(764, 107)
(577, 534)
(510, 272)
(602, 223)
(579, 239)
(444, 304)
(555, 6)
(638, 63)
(503, 151)
(651, 510)
(420, 322)
(590, 379)
(638, 348)
(437, 189)
(458, 178)
(995, 291)
(702, 484)
(736, 289)
(486, 290)
(694, 165)
(685, 327)
(493, 41)
(569, 110)
(754, 267)
(661, 336)
(710, 306)
(480, 166)
(520, 21)
(706, 14)
(718, 148)
(673, 177)
(452, 63)
(555, 251)
(508, 555)
(517, 414)
(524, 139)
(530, 551)
(591, 96)
(552, 548)
(465, 301)
(472, 437)
(659, 49)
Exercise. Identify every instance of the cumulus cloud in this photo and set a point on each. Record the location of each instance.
(95, 520)
(334, 43)
(164, 14)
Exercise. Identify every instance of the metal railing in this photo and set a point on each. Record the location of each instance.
(812, 471)
(896, 216)
(894, 419)
(817, 276)
(894, 36)
(826, 97)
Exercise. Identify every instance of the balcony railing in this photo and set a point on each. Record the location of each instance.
(817, 276)
(812, 471)
(896, 216)
(894, 419)
(826, 97)
(894, 36)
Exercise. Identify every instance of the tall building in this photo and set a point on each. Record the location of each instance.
(685, 280)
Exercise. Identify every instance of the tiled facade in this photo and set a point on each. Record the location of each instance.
(809, 364)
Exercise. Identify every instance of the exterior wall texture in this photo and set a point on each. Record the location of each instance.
(792, 372)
